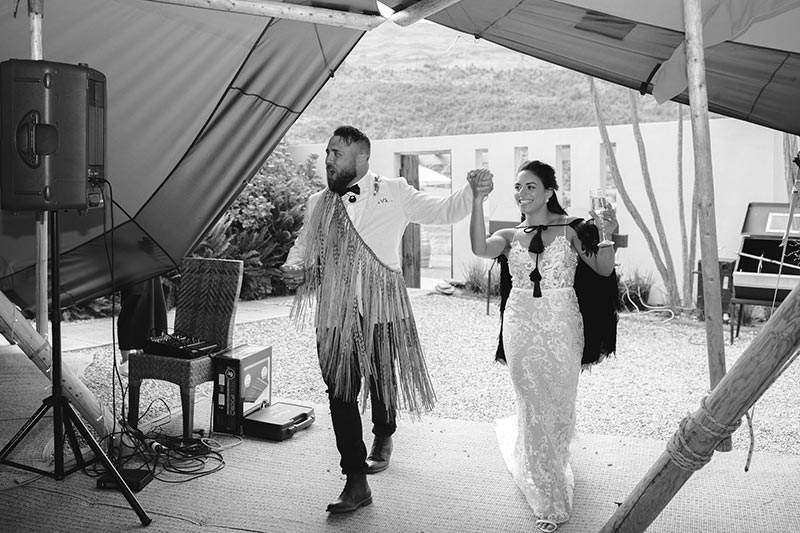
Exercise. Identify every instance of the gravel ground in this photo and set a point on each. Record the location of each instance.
(659, 374)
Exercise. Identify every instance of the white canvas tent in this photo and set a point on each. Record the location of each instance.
(196, 101)
(751, 76)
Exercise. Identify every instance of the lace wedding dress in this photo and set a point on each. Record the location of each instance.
(543, 341)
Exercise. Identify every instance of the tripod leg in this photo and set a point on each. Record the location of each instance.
(73, 441)
(99, 454)
(24, 430)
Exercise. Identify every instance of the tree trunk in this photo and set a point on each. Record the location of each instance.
(687, 266)
(693, 229)
(704, 181)
(789, 153)
(670, 283)
(618, 183)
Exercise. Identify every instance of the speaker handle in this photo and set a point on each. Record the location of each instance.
(35, 139)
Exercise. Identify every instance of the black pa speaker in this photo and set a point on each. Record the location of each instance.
(52, 135)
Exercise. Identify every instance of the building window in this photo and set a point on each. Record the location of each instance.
(606, 174)
(520, 156)
(564, 174)
(482, 158)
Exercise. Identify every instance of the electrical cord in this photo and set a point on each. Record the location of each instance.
(164, 456)
(649, 309)
(108, 242)
(190, 459)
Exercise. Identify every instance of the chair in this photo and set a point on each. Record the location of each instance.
(206, 308)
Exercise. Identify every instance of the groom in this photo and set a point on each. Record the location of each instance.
(346, 257)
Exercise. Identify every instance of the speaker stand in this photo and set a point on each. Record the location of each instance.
(65, 419)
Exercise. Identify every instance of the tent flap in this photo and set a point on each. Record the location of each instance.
(580, 36)
(197, 99)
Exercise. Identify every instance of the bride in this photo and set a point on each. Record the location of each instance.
(543, 338)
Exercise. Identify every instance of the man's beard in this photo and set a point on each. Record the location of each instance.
(338, 180)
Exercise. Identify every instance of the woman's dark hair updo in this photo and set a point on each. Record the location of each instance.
(545, 172)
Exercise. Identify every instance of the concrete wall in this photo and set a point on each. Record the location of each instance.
(747, 164)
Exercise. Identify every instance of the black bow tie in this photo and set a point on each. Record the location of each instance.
(536, 245)
(355, 189)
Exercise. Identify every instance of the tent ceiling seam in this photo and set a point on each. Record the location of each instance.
(766, 84)
(498, 19)
(144, 231)
(322, 51)
(263, 99)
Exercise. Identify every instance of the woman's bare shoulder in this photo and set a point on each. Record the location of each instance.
(506, 233)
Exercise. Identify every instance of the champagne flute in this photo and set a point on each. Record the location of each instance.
(600, 204)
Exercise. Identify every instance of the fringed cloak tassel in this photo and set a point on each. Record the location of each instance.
(362, 308)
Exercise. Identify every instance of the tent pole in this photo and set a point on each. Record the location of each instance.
(16, 329)
(35, 13)
(704, 177)
(267, 8)
(710, 427)
(420, 10)
(693, 444)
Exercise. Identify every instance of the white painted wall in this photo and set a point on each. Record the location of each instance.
(747, 162)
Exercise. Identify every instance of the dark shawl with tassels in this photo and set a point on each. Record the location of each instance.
(598, 300)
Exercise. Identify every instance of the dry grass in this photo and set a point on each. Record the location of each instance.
(659, 375)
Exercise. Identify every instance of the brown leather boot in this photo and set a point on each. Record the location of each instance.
(378, 459)
(356, 494)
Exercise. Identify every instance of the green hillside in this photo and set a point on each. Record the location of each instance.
(428, 80)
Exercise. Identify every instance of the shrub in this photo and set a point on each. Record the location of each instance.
(477, 278)
(97, 308)
(262, 223)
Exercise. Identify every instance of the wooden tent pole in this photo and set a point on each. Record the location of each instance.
(267, 8)
(704, 177)
(420, 10)
(35, 14)
(17, 330)
(710, 427)
(693, 444)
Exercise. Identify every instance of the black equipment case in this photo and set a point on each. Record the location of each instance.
(278, 421)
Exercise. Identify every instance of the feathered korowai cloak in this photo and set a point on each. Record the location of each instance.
(598, 300)
(365, 326)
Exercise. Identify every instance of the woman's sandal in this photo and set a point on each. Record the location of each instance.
(548, 526)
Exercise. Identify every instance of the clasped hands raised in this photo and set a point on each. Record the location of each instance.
(481, 182)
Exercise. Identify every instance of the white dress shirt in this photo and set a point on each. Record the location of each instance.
(383, 209)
